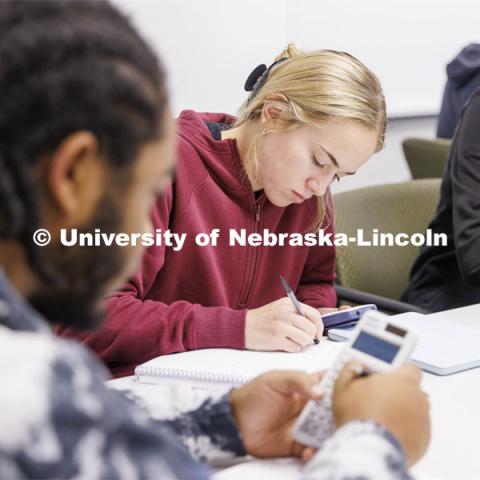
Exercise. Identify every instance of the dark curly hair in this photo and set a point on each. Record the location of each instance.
(67, 66)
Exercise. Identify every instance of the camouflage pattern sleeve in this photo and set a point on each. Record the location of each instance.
(59, 420)
(359, 450)
(200, 419)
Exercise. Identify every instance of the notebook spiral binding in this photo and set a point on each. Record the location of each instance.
(179, 373)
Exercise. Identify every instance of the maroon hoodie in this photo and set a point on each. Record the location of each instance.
(198, 297)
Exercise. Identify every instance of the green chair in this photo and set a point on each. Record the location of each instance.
(426, 158)
(380, 274)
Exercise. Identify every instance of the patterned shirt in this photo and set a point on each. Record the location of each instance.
(59, 419)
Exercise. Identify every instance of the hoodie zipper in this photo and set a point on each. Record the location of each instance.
(253, 262)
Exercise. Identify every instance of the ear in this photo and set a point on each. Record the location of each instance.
(274, 109)
(72, 173)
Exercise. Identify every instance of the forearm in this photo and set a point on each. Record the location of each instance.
(359, 450)
(201, 420)
(137, 330)
(209, 432)
(155, 328)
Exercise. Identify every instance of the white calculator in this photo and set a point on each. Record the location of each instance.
(380, 345)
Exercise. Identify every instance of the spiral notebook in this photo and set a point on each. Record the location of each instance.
(217, 367)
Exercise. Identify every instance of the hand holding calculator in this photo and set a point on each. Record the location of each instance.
(380, 345)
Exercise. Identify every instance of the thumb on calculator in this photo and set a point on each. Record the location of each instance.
(393, 400)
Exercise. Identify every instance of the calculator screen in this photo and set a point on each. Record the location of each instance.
(376, 347)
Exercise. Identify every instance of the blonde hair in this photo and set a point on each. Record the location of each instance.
(319, 87)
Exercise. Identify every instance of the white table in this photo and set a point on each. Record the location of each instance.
(454, 452)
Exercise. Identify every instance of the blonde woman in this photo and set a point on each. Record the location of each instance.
(310, 119)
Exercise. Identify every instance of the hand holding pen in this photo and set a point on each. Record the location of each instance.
(278, 326)
(295, 302)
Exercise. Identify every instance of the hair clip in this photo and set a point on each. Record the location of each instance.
(252, 79)
(258, 77)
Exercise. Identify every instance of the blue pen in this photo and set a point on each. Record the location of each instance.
(295, 302)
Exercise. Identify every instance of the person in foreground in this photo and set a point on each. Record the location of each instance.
(86, 141)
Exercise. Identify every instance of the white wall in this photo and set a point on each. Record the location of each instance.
(405, 42)
(210, 47)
